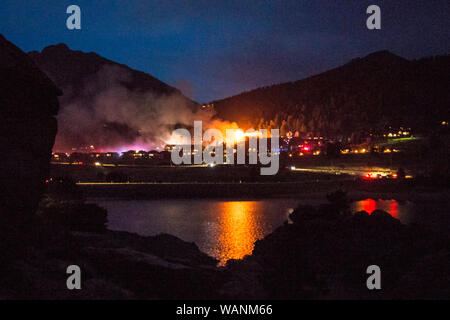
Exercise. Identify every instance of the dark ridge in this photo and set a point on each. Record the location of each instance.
(72, 68)
(366, 93)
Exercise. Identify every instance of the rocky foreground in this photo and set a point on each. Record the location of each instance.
(114, 265)
(322, 253)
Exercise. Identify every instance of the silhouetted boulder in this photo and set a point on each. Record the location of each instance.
(28, 105)
(301, 213)
(339, 201)
(361, 214)
(383, 217)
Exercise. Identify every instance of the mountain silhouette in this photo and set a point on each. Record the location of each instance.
(71, 68)
(107, 104)
(368, 93)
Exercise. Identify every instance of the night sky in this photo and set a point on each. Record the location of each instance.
(214, 49)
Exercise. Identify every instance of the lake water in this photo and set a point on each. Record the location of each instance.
(221, 228)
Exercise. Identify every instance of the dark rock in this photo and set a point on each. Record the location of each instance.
(28, 105)
(115, 265)
(317, 257)
(383, 217)
(361, 215)
(301, 213)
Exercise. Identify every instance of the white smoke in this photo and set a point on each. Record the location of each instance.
(111, 117)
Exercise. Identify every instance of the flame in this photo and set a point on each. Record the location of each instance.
(231, 134)
(238, 135)
(177, 139)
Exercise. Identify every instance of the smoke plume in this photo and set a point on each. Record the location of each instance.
(109, 116)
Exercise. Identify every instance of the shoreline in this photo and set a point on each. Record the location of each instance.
(354, 196)
(356, 190)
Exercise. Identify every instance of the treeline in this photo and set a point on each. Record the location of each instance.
(368, 93)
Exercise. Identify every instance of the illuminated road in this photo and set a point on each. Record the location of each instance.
(124, 165)
(204, 183)
(353, 171)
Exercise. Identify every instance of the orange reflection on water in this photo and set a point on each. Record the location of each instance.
(393, 209)
(370, 205)
(238, 229)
